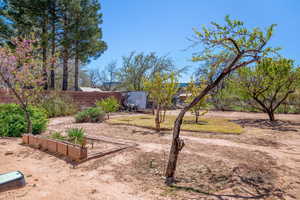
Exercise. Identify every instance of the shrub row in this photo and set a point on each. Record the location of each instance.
(97, 114)
(13, 123)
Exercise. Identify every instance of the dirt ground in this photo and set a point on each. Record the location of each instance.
(261, 163)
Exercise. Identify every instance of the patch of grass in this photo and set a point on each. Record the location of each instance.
(213, 125)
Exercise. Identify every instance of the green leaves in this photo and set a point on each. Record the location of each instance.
(192, 91)
(161, 88)
(267, 85)
(108, 105)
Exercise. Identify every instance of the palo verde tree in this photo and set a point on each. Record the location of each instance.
(21, 70)
(266, 85)
(231, 43)
(192, 90)
(161, 89)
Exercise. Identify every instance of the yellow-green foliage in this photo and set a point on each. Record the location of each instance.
(214, 125)
(193, 90)
(161, 88)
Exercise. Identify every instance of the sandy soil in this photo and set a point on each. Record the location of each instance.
(271, 153)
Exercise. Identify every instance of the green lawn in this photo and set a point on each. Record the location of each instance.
(213, 125)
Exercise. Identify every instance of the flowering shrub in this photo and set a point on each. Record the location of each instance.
(21, 70)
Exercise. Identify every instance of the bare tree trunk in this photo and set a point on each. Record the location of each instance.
(157, 118)
(197, 117)
(76, 78)
(53, 47)
(164, 115)
(153, 109)
(271, 115)
(177, 143)
(28, 120)
(65, 57)
(76, 83)
(44, 49)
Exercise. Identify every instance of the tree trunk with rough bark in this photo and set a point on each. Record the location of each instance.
(177, 142)
(76, 83)
(53, 46)
(271, 115)
(65, 56)
(28, 120)
(157, 118)
(197, 117)
(44, 49)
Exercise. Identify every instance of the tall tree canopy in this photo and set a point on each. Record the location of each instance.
(137, 67)
(68, 29)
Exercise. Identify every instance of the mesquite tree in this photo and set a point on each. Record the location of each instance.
(266, 85)
(161, 89)
(22, 73)
(192, 90)
(231, 43)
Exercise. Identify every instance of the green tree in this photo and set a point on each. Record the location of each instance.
(266, 85)
(192, 90)
(69, 29)
(161, 89)
(29, 17)
(231, 43)
(108, 105)
(87, 34)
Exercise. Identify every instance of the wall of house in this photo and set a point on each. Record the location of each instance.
(83, 99)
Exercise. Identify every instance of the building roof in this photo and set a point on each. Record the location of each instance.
(89, 89)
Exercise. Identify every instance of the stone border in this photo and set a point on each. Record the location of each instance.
(72, 151)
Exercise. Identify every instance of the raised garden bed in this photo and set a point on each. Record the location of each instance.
(72, 151)
(95, 147)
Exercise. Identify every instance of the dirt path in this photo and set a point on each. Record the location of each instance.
(51, 178)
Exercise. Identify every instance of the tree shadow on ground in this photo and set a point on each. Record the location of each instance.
(221, 196)
(277, 125)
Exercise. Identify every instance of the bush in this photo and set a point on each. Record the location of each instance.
(58, 105)
(14, 124)
(76, 135)
(57, 136)
(93, 114)
(108, 105)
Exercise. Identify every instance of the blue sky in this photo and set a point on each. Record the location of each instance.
(164, 26)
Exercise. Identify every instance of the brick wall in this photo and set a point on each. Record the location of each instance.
(83, 99)
(5, 97)
(87, 99)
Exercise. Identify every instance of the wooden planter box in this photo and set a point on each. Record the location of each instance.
(62, 148)
(72, 151)
(43, 142)
(52, 146)
(76, 152)
(31, 140)
(25, 138)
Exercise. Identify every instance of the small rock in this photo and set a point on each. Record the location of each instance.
(29, 175)
(8, 153)
(93, 191)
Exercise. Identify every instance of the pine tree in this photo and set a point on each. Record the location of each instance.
(87, 34)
